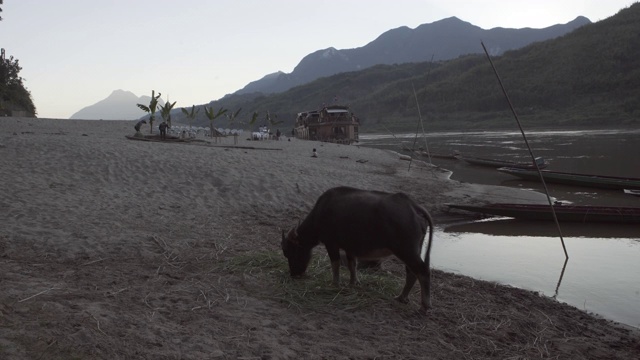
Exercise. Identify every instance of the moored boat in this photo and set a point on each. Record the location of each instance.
(335, 123)
(632, 192)
(597, 181)
(504, 163)
(564, 213)
(156, 138)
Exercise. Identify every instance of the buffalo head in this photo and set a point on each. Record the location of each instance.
(296, 253)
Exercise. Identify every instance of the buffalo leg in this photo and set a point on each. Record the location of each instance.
(334, 256)
(421, 270)
(408, 285)
(351, 264)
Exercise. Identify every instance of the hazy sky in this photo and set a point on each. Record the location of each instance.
(74, 53)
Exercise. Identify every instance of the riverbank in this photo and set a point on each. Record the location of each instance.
(113, 248)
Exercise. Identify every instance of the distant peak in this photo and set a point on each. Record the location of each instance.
(581, 20)
(121, 93)
(450, 19)
(446, 23)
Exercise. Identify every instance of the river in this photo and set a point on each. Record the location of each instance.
(602, 274)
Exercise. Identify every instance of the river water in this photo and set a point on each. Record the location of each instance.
(602, 274)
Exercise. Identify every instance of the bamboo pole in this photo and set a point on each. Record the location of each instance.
(533, 158)
(413, 148)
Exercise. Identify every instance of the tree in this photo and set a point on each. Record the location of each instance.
(233, 116)
(212, 115)
(13, 94)
(165, 111)
(254, 118)
(151, 109)
(272, 121)
(191, 115)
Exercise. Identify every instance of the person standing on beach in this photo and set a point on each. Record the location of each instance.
(139, 125)
(163, 130)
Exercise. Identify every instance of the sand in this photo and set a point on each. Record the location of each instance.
(118, 249)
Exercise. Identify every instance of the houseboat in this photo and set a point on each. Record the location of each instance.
(333, 123)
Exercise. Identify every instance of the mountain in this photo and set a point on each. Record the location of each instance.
(120, 105)
(587, 78)
(441, 40)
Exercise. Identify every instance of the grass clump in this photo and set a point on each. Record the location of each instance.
(314, 291)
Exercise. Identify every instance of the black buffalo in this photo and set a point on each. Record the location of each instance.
(365, 225)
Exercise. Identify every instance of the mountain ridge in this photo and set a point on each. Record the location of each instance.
(587, 78)
(119, 105)
(395, 46)
(406, 45)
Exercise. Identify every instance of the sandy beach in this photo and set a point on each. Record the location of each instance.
(118, 249)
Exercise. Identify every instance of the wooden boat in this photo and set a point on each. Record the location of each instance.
(632, 192)
(504, 163)
(564, 213)
(504, 226)
(156, 138)
(440, 156)
(596, 181)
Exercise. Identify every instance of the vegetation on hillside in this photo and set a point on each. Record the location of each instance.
(590, 77)
(14, 97)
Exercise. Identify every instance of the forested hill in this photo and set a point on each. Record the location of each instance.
(589, 77)
(441, 40)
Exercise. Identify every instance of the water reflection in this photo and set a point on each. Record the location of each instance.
(601, 276)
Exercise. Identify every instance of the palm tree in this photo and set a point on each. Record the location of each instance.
(254, 118)
(212, 115)
(271, 121)
(165, 111)
(191, 115)
(232, 117)
(151, 109)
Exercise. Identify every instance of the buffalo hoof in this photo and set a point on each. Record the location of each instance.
(402, 299)
(423, 310)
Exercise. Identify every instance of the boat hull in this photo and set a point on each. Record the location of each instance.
(157, 139)
(596, 181)
(503, 163)
(632, 192)
(564, 213)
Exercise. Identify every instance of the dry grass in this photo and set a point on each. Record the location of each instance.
(314, 291)
(471, 318)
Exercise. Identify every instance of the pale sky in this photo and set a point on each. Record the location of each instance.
(74, 53)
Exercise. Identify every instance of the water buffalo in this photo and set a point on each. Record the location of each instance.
(365, 225)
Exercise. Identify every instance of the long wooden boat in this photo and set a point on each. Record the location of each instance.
(504, 163)
(597, 181)
(425, 154)
(632, 192)
(154, 138)
(564, 213)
